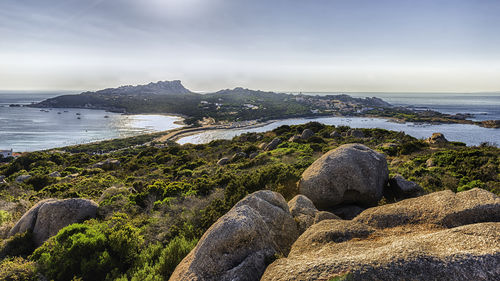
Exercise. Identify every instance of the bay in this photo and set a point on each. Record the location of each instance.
(29, 129)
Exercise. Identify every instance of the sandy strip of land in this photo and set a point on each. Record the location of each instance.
(176, 134)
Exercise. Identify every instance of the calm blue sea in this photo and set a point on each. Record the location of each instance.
(30, 129)
(484, 106)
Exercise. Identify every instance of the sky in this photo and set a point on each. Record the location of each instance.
(280, 45)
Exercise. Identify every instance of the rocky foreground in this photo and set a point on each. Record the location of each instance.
(439, 236)
(337, 228)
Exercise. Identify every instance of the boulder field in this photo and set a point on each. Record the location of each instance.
(438, 236)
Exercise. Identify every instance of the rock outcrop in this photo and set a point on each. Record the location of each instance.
(437, 138)
(55, 174)
(443, 208)
(351, 173)
(440, 236)
(305, 213)
(307, 133)
(402, 188)
(335, 134)
(356, 133)
(22, 178)
(238, 156)
(240, 244)
(223, 161)
(108, 164)
(49, 216)
(273, 144)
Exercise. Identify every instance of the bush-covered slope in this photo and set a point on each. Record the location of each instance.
(157, 200)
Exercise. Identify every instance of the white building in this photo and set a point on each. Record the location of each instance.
(6, 153)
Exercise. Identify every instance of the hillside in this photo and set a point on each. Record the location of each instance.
(239, 104)
(152, 203)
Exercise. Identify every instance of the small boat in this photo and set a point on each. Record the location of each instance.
(59, 113)
(78, 113)
(78, 117)
(106, 116)
(65, 111)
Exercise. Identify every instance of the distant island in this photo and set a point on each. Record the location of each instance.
(239, 104)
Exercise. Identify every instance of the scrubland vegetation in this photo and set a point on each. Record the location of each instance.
(159, 200)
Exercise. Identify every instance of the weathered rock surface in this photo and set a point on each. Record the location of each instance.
(238, 155)
(305, 213)
(55, 174)
(348, 211)
(108, 164)
(402, 188)
(22, 178)
(300, 204)
(335, 134)
(239, 244)
(307, 133)
(223, 161)
(48, 216)
(273, 144)
(356, 133)
(351, 173)
(437, 138)
(443, 208)
(324, 215)
(447, 237)
(253, 155)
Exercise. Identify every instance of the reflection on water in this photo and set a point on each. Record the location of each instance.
(469, 134)
(29, 129)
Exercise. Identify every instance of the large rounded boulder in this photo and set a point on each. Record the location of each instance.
(49, 216)
(349, 174)
(242, 242)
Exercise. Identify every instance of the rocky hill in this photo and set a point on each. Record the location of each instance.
(158, 88)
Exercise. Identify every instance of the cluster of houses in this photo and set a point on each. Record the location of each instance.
(8, 153)
(328, 105)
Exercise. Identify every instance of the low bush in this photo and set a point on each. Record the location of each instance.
(90, 251)
(18, 269)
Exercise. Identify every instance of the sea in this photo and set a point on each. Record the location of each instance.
(30, 129)
(483, 106)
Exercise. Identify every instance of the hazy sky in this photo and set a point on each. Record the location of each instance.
(284, 45)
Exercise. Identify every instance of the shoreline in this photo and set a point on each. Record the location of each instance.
(185, 131)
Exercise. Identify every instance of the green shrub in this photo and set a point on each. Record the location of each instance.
(4, 217)
(91, 251)
(20, 244)
(40, 181)
(471, 185)
(173, 253)
(17, 269)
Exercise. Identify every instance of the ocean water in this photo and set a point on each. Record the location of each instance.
(30, 129)
(469, 134)
(484, 106)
